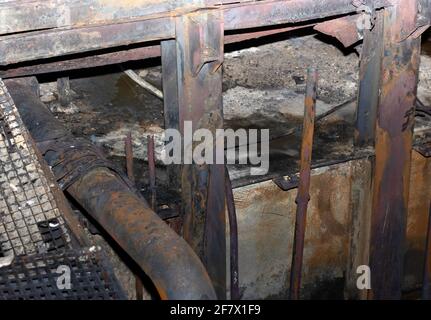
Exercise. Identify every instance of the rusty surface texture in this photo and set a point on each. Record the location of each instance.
(303, 196)
(417, 222)
(393, 145)
(72, 38)
(111, 200)
(199, 55)
(128, 148)
(89, 61)
(344, 29)
(124, 54)
(28, 15)
(51, 43)
(264, 13)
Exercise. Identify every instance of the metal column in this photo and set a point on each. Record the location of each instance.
(393, 143)
(198, 53)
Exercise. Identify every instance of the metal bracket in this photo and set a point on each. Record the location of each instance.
(291, 182)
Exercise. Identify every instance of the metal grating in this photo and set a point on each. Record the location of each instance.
(26, 201)
(35, 246)
(41, 277)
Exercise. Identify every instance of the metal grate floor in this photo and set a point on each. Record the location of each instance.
(44, 277)
(26, 201)
(37, 259)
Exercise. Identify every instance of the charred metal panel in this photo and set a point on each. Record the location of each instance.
(264, 13)
(266, 219)
(58, 42)
(112, 201)
(344, 29)
(123, 54)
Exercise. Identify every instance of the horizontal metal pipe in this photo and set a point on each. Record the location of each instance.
(166, 258)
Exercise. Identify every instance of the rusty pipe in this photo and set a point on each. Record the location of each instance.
(166, 258)
(303, 195)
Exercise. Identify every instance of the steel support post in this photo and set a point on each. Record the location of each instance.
(369, 81)
(192, 81)
(393, 144)
(303, 195)
(170, 100)
(63, 88)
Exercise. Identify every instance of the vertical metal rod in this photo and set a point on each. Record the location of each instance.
(152, 171)
(233, 237)
(129, 156)
(63, 88)
(303, 196)
(128, 146)
(427, 262)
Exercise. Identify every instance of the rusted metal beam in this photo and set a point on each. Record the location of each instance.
(393, 145)
(28, 15)
(344, 29)
(303, 195)
(111, 200)
(199, 53)
(126, 55)
(57, 42)
(20, 16)
(369, 83)
(87, 37)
